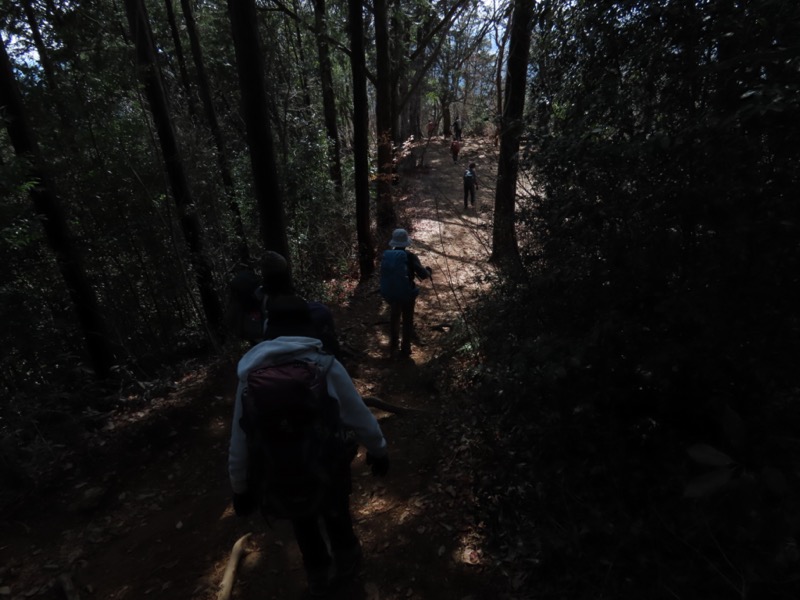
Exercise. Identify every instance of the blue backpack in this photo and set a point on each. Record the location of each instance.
(395, 283)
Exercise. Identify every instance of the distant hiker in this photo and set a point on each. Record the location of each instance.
(431, 128)
(243, 311)
(455, 148)
(297, 421)
(457, 129)
(399, 268)
(470, 185)
(276, 282)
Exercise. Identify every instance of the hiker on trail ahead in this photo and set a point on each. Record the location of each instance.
(455, 148)
(431, 128)
(399, 268)
(470, 185)
(296, 421)
(244, 316)
(277, 281)
(457, 129)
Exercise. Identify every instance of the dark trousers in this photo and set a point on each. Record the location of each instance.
(406, 311)
(469, 194)
(336, 519)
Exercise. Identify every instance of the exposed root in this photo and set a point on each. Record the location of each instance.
(374, 402)
(226, 587)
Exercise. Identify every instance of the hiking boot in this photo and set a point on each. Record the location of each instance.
(348, 563)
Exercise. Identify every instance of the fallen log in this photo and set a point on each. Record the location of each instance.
(226, 586)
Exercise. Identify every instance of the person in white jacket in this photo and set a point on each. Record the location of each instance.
(290, 337)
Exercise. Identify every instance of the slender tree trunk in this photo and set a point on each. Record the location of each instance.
(398, 69)
(415, 116)
(358, 66)
(501, 43)
(383, 117)
(176, 41)
(266, 183)
(505, 251)
(189, 220)
(328, 98)
(50, 78)
(216, 132)
(402, 120)
(301, 58)
(54, 222)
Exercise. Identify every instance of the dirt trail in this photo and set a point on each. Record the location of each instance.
(152, 518)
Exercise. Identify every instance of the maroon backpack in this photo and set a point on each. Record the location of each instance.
(294, 437)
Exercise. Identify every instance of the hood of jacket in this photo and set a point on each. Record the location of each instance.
(275, 351)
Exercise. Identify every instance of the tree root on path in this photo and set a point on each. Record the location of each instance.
(226, 586)
(374, 402)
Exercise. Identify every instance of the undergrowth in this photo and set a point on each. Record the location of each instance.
(603, 484)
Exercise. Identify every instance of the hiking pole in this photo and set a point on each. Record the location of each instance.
(435, 291)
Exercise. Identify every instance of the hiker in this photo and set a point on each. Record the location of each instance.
(470, 185)
(271, 460)
(243, 311)
(431, 128)
(399, 268)
(457, 129)
(455, 147)
(277, 281)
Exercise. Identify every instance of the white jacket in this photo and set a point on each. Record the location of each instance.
(353, 413)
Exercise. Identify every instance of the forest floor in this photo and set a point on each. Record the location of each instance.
(143, 511)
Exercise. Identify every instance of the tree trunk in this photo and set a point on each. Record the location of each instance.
(211, 114)
(501, 43)
(301, 58)
(189, 220)
(383, 118)
(48, 207)
(266, 184)
(50, 77)
(505, 251)
(328, 98)
(176, 41)
(358, 66)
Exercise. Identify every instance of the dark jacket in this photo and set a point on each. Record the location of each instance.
(415, 268)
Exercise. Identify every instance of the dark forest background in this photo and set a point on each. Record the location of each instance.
(645, 232)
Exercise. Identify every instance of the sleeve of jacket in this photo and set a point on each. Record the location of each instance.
(417, 267)
(353, 412)
(237, 451)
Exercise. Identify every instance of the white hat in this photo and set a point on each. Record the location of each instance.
(400, 239)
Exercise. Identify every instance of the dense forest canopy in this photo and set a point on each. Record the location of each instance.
(646, 219)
